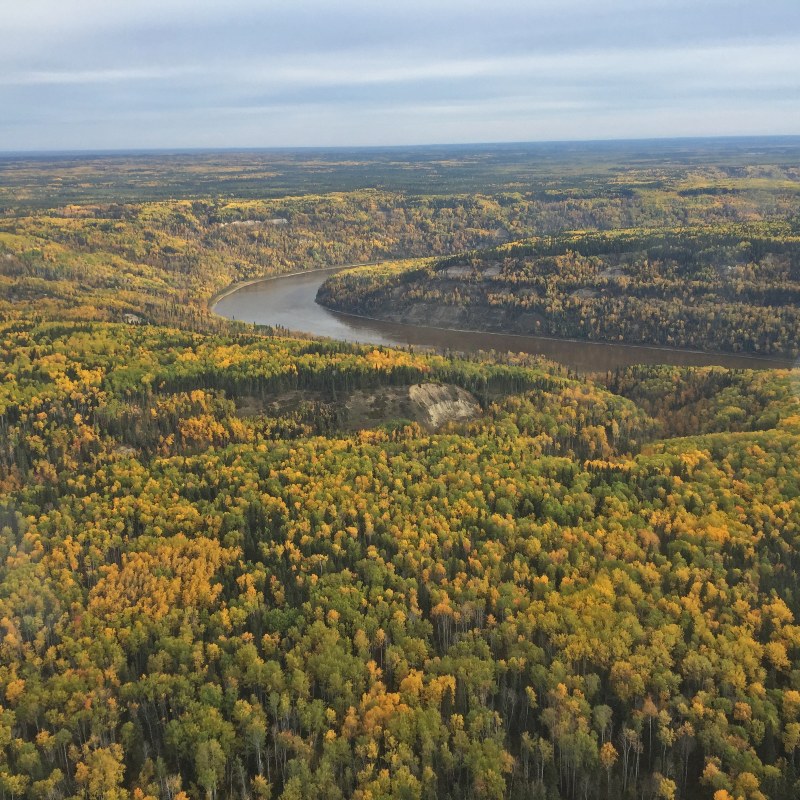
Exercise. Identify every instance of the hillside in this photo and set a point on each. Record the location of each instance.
(243, 565)
(724, 288)
(551, 596)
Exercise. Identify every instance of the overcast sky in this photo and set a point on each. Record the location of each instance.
(105, 74)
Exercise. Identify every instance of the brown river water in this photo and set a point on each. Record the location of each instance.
(289, 301)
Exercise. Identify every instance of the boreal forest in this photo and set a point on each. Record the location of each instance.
(242, 563)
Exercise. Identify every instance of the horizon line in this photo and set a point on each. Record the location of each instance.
(180, 150)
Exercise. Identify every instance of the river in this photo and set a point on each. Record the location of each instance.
(289, 301)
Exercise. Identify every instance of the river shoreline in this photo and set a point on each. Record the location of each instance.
(235, 287)
(781, 363)
(307, 317)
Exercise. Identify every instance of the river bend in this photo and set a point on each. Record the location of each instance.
(289, 301)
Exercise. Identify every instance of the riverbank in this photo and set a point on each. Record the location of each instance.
(289, 301)
(776, 363)
(235, 287)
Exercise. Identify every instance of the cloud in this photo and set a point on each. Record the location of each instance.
(86, 71)
(88, 76)
(775, 63)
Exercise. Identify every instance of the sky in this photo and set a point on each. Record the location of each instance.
(131, 74)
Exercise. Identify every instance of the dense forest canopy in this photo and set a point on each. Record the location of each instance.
(219, 581)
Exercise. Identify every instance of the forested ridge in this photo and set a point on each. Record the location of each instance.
(212, 586)
(724, 288)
